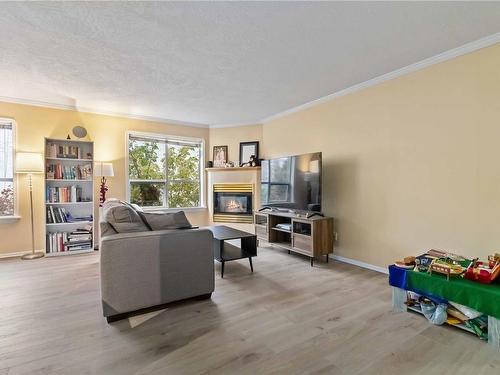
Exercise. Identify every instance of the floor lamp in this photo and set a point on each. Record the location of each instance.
(30, 163)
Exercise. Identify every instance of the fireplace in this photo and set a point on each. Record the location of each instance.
(233, 203)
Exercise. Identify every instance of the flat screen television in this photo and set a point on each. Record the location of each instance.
(292, 182)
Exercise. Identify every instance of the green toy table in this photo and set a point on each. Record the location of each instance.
(484, 298)
(481, 297)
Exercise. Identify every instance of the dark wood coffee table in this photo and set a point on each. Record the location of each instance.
(225, 252)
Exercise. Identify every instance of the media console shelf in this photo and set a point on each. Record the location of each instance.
(311, 237)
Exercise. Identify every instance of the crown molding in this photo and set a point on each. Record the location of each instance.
(66, 107)
(236, 125)
(447, 55)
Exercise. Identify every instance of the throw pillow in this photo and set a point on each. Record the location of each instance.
(166, 220)
(136, 207)
(122, 217)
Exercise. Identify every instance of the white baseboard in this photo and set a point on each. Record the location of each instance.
(360, 264)
(19, 253)
(13, 255)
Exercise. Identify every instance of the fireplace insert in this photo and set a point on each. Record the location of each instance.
(233, 203)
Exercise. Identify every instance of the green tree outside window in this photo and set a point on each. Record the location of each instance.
(164, 174)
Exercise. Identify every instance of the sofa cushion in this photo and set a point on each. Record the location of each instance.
(136, 207)
(106, 229)
(123, 217)
(166, 220)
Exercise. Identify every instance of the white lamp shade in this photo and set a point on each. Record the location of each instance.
(29, 162)
(104, 169)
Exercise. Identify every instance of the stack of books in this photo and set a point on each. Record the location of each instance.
(79, 239)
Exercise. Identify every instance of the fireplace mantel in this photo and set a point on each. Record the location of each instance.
(232, 169)
(235, 175)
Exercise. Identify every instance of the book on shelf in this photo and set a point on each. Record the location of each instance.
(55, 150)
(59, 215)
(64, 194)
(57, 171)
(56, 215)
(84, 230)
(71, 219)
(78, 241)
(68, 241)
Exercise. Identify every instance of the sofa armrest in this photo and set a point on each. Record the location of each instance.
(145, 269)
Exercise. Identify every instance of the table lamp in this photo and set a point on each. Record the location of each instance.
(103, 170)
(30, 163)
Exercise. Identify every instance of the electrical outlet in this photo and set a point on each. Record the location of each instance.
(336, 236)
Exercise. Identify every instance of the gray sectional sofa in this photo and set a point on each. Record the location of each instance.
(142, 269)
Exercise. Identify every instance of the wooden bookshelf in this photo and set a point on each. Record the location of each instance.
(69, 193)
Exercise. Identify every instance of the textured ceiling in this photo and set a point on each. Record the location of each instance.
(219, 63)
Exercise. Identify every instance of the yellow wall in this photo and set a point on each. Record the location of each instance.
(232, 137)
(410, 164)
(108, 134)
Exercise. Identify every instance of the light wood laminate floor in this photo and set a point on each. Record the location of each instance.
(285, 318)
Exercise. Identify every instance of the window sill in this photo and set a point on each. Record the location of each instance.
(163, 209)
(9, 219)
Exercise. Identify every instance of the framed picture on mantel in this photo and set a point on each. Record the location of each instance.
(248, 149)
(220, 156)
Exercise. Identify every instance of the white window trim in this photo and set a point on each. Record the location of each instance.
(172, 137)
(15, 183)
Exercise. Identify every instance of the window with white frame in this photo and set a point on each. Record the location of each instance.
(7, 197)
(164, 172)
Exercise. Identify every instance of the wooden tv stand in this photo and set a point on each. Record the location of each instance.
(311, 236)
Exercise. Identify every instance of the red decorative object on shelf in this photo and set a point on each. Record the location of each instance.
(102, 190)
(103, 170)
